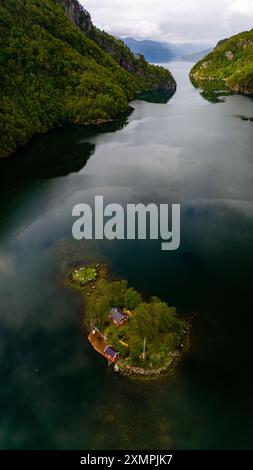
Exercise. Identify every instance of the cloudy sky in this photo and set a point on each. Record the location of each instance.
(203, 21)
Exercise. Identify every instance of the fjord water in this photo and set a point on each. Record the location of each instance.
(55, 390)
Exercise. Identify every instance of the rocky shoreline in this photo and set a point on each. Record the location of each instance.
(151, 373)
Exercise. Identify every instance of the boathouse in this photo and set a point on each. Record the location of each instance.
(111, 354)
(99, 343)
(117, 316)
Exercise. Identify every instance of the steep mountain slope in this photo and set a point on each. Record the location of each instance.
(231, 61)
(117, 48)
(54, 70)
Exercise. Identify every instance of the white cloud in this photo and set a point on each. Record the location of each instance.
(239, 15)
(204, 21)
(242, 7)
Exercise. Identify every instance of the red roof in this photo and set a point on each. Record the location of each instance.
(110, 352)
(117, 315)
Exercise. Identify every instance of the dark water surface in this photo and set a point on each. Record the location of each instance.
(55, 391)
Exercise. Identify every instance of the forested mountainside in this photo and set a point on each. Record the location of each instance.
(231, 61)
(57, 68)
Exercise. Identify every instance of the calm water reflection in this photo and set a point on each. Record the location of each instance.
(55, 391)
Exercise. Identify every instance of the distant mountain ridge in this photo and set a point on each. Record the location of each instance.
(160, 52)
(153, 51)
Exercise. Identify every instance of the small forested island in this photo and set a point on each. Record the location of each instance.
(141, 338)
(230, 64)
(57, 68)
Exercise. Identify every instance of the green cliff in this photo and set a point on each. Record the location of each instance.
(230, 62)
(56, 68)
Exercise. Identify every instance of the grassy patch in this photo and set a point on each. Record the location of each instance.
(83, 275)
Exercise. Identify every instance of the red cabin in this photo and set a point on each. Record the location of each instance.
(118, 317)
(110, 354)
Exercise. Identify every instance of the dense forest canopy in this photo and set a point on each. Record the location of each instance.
(231, 62)
(53, 72)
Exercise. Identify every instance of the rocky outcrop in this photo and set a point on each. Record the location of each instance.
(115, 47)
(78, 15)
(229, 55)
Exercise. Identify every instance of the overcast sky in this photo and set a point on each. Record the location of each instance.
(204, 21)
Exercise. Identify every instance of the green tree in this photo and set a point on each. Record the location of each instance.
(132, 298)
